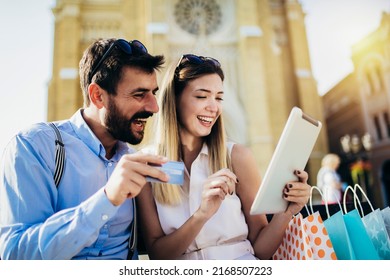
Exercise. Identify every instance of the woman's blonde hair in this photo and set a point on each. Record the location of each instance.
(331, 161)
(168, 127)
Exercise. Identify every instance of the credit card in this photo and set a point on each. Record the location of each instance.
(175, 171)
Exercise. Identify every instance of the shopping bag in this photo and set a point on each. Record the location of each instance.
(295, 244)
(338, 234)
(306, 239)
(362, 245)
(361, 242)
(375, 226)
(318, 237)
(386, 218)
(376, 229)
(318, 230)
(337, 230)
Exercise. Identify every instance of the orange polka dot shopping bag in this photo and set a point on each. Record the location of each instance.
(305, 239)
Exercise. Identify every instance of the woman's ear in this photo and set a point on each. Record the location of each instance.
(96, 95)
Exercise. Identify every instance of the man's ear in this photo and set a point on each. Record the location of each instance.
(96, 95)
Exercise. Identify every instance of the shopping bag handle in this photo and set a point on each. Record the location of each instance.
(356, 186)
(325, 201)
(355, 198)
(311, 201)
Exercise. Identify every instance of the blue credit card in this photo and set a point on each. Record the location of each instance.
(175, 171)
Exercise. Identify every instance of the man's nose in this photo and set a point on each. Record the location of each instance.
(151, 104)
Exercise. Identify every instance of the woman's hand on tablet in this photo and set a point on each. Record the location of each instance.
(297, 193)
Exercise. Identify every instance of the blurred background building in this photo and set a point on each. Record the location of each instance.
(261, 45)
(357, 114)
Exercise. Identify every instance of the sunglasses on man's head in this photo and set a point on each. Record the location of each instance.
(195, 59)
(131, 47)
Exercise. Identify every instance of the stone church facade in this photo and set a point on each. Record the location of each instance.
(261, 45)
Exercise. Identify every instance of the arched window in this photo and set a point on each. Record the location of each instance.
(378, 127)
(387, 122)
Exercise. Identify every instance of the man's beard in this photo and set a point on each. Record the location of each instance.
(120, 127)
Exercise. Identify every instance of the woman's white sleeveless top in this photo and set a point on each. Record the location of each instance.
(227, 227)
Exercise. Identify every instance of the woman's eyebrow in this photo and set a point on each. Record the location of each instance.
(208, 91)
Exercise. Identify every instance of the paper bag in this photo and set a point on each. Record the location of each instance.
(305, 239)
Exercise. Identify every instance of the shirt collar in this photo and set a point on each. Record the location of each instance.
(205, 149)
(86, 135)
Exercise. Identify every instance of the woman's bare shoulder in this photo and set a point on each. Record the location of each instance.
(242, 154)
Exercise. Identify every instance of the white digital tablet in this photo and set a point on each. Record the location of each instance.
(292, 152)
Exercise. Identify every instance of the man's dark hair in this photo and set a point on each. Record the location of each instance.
(109, 73)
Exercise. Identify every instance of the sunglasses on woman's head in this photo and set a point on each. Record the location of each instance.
(131, 47)
(195, 59)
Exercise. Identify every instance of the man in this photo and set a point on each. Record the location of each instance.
(89, 214)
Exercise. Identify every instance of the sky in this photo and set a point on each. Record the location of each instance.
(26, 50)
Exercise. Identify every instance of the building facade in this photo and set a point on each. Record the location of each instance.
(261, 45)
(357, 113)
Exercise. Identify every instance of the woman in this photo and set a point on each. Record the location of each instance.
(208, 217)
(328, 180)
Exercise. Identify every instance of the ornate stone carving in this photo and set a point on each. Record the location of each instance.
(93, 29)
(198, 17)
